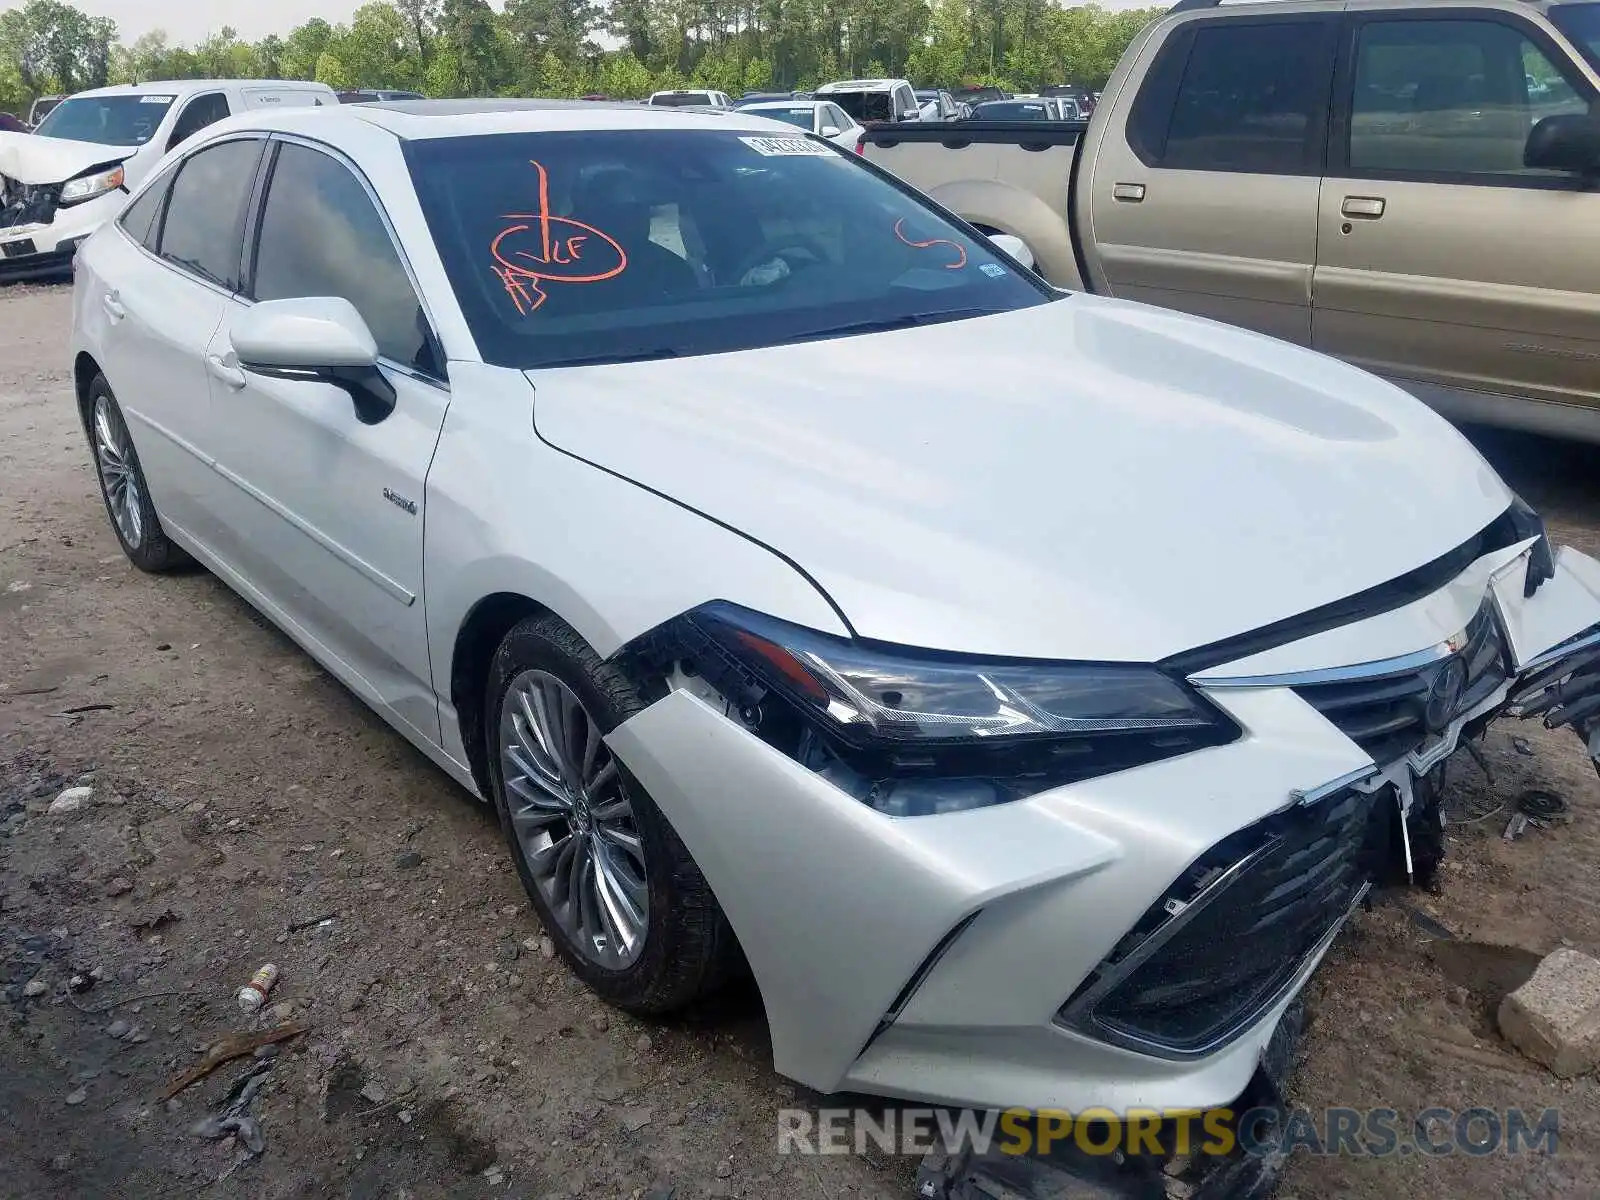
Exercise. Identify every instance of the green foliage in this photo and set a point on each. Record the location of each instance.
(622, 48)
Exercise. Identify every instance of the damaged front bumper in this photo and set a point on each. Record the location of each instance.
(1131, 941)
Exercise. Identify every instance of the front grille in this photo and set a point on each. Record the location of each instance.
(1389, 715)
(28, 204)
(1237, 929)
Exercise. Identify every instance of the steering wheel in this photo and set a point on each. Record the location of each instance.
(796, 250)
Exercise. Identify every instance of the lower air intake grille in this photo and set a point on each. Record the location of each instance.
(1391, 715)
(1238, 928)
(28, 204)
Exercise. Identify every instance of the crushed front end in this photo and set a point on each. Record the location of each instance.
(1130, 939)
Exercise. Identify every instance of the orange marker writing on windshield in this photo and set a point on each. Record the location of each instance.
(522, 269)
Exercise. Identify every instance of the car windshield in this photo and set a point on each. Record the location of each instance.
(680, 99)
(1014, 110)
(574, 247)
(109, 120)
(802, 116)
(865, 106)
(1581, 23)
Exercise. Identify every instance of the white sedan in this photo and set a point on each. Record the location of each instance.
(1023, 686)
(825, 119)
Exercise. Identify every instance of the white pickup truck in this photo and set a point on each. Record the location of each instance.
(1412, 185)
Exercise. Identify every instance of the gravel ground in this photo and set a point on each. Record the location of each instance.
(247, 809)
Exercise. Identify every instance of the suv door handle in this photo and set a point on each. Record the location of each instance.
(1368, 208)
(1128, 193)
(230, 376)
(113, 307)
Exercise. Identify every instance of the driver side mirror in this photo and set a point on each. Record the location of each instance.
(1014, 246)
(1569, 142)
(911, 114)
(829, 131)
(317, 339)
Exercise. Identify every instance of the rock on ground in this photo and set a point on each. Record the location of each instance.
(1554, 1018)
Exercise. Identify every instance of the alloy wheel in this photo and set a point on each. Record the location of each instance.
(119, 473)
(573, 821)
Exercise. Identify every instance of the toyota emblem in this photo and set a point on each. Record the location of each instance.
(1444, 696)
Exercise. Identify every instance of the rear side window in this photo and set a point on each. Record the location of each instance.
(204, 229)
(1249, 97)
(321, 235)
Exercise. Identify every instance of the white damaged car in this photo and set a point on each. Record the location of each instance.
(73, 173)
(1024, 686)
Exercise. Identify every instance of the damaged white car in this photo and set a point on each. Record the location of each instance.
(1024, 686)
(73, 173)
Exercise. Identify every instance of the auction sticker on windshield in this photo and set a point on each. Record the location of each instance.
(156, 99)
(778, 147)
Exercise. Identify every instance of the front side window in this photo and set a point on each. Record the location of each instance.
(197, 114)
(1251, 98)
(1451, 97)
(204, 227)
(571, 247)
(109, 120)
(321, 235)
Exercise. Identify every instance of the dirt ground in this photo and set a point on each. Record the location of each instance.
(247, 809)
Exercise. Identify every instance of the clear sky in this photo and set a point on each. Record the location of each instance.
(191, 20)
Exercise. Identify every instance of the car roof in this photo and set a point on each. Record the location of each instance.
(780, 102)
(187, 87)
(420, 120)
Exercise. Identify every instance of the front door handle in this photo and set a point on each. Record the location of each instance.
(1368, 208)
(113, 307)
(225, 373)
(1128, 193)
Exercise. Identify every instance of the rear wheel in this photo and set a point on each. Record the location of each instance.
(123, 486)
(615, 887)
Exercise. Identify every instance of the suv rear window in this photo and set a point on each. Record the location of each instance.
(630, 244)
(680, 99)
(865, 106)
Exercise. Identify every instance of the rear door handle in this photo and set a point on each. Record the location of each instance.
(230, 376)
(1368, 208)
(1128, 193)
(113, 307)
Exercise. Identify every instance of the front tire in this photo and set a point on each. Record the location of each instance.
(616, 889)
(123, 486)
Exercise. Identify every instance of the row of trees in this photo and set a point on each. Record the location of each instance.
(623, 48)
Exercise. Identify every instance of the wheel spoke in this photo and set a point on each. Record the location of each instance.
(616, 895)
(624, 840)
(602, 777)
(535, 733)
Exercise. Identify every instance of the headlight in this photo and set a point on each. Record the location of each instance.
(912, 732)
(87, 187)
(1526, 523)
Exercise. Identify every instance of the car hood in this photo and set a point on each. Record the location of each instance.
(31, 159)
(1088, 479)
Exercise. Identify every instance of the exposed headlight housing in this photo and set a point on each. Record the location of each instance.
(915, 732)
(96, 183)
